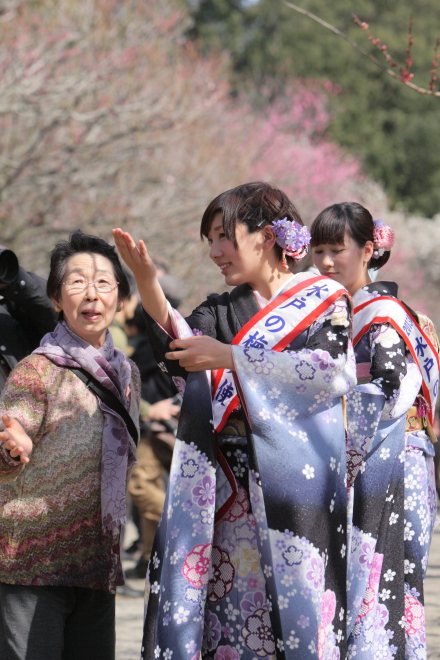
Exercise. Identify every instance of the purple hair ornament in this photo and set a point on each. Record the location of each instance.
(292, 237)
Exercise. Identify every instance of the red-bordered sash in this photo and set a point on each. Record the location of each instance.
(275, 327)
(385, 309)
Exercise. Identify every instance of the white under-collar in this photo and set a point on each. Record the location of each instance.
(260, 298)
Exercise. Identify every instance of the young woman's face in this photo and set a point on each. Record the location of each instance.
(345, 263)
(89, 312)
(243, 264)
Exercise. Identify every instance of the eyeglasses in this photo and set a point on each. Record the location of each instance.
(79, 285)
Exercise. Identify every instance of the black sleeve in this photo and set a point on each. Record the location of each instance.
(155, 385)
(28, 303)
(331, 338)
(331, 332)
(388, 363)
(203, 319)
(14, 345)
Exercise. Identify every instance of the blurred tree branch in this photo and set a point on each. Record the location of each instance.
(387, 69)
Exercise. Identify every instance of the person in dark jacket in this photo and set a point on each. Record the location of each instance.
(155, 449)
(156, 385)
(26, 313)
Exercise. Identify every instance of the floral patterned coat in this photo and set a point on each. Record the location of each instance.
(250, 556)
(391, 499)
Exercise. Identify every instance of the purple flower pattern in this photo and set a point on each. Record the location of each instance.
(204, 492)
(237, 623)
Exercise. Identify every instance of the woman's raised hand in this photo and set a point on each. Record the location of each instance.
(15, 439)
(144, 270)
(135, 256)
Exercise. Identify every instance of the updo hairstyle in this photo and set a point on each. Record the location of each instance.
(332, 223)
(256, 205)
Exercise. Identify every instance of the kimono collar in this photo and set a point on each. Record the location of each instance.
(244, 305)
(374, 290)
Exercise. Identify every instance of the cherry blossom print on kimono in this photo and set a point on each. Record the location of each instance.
(385, 601)
(250, 557)
(420, 508)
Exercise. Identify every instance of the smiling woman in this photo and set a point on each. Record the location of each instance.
(253, 530)
(64, 458)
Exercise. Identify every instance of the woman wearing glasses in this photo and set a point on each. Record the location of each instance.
(65, 452)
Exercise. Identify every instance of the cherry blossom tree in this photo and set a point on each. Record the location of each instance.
(110, 117)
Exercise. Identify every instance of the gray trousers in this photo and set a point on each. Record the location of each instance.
(56, 623)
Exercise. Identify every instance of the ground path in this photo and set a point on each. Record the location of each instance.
(129, 619)
(129, 612)
(432, 598)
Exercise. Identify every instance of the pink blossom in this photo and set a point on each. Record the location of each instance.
(328, 607)
(196, 565)
(226, 653)
(414, 615)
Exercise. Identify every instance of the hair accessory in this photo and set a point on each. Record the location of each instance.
(383, 237)
(284, 263)
(292, 237)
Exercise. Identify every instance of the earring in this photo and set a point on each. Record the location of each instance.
(119, 307)
(58, 309)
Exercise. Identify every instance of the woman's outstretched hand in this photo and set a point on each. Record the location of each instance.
(200, 353)
(15, 439)
(144, 270)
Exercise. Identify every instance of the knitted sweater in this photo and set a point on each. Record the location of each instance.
(50, 509)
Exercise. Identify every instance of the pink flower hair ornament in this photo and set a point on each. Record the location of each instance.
(383, 237)
(292, 237)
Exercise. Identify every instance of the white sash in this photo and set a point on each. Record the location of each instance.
(385, 309)
(274, 327)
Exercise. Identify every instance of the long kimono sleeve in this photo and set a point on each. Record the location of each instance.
(293, 400)
(323, 370)
(393, 370)
(292, 522)
(374, 406)
(202, 321)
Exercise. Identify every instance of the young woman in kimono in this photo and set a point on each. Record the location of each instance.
(250, 556)
(390, 441)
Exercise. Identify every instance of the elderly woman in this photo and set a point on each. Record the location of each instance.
(67, 445)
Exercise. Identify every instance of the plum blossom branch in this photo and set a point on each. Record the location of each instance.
(434, 65)
(405, 77)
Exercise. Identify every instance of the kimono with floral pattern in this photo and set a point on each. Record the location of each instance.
(250, 557)
(391, 498)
